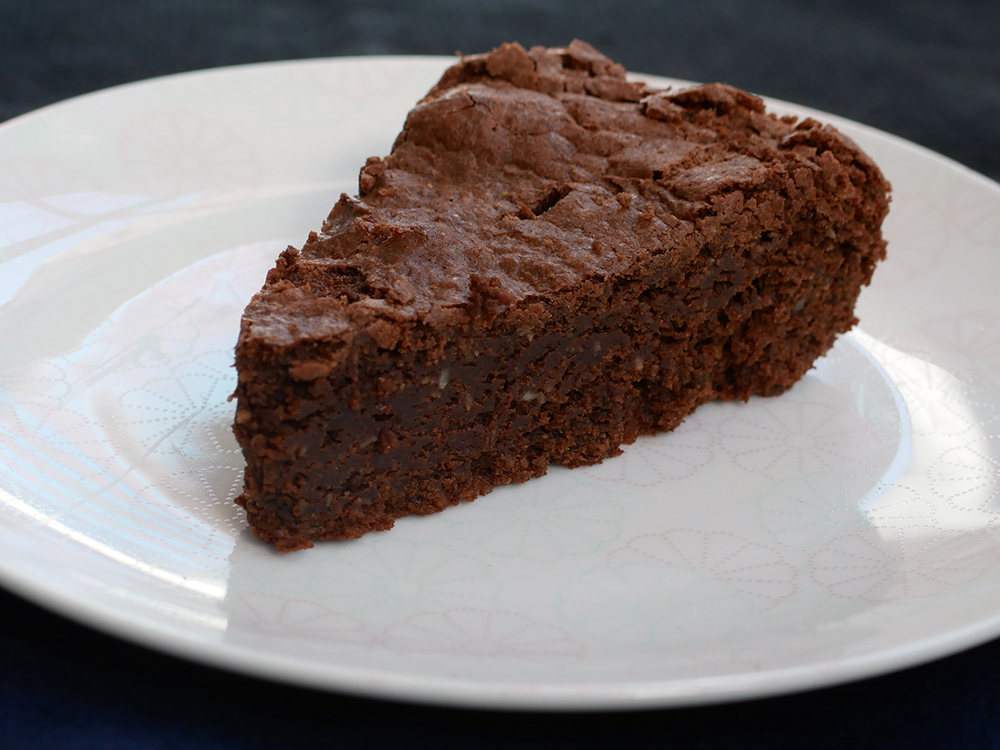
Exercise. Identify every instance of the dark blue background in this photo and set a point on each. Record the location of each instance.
(928, 71)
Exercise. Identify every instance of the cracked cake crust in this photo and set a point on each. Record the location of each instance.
(552, 261)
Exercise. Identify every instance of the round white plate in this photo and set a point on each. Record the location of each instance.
(846, 528)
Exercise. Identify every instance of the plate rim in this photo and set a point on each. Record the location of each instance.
(493, 695)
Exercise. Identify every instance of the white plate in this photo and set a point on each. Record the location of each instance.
(847, 528)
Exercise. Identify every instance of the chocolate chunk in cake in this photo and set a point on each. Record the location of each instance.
(552, 261)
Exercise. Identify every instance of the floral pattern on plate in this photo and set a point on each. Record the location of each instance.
(842, 529)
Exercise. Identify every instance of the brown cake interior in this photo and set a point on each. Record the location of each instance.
(551, 262)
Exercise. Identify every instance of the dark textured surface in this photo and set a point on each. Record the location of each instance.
(551, 262)
(928, 71)
(925, 70)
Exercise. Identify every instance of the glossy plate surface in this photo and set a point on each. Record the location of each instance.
(847, 528)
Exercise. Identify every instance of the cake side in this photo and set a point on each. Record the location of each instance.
(551, 262)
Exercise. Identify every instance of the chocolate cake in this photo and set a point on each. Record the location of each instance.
(552, 261)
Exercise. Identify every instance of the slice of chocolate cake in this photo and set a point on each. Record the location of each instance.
(551, 262)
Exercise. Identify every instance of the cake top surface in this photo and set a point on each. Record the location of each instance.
(523, 172)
